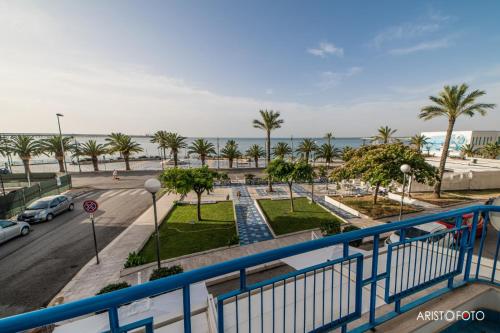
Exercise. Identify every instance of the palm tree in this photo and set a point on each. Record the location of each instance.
(419, 141)
(329, 137)
(175, 142)
(306, 147)
(255, 151)
(327, 152)
(26, 147)
(123, 144)
(160, 138)
(491, 150)
(202, 148)
(93, 150)
(468, 150)
(230, 151)
(281, 149)
(52, 146)
(384, 135)
(452, 102)
(269, 122)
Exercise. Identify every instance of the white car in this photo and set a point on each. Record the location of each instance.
(424, 230)
(10, 229)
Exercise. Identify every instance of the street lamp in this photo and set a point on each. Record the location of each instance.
(62, 144)
(153, 185)
(405, 169)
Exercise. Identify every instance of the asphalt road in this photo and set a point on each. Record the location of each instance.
(34, 268)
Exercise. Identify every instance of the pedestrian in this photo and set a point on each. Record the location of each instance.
(115, 175)
(238, 195)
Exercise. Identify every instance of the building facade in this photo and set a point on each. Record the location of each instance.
(435, 141)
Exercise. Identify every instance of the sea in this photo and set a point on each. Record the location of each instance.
(151, 149)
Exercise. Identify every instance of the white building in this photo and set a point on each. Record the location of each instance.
(478, 139)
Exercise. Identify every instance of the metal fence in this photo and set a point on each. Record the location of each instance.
(317, 309)
(14, 202)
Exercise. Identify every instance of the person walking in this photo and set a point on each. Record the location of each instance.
(115, 175)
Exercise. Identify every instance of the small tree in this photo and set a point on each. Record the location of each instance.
(380, 165)
(289, 172)
(183, 181)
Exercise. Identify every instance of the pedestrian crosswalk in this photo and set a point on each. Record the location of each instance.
(112, 193)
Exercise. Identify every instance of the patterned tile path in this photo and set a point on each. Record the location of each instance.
(251, 225)
(321, 200)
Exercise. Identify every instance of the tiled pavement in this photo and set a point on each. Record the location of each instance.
(340, 212)
(251, 225)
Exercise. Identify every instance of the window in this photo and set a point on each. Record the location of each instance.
(62, 199)
(6, 224)
(54, 203)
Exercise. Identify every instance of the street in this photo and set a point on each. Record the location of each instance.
(34, 268)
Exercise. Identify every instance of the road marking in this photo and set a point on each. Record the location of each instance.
(87, 194)
(108, 194)
(134, 192)
(123, 193)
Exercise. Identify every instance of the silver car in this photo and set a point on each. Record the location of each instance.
(10, 229)
(45, 209)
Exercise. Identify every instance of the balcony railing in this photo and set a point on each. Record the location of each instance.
(324, 296)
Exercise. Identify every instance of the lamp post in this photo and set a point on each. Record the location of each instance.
(153, 185)
(62, 143)
(218, 166)
(405, 169)
(313, 165)
(77, 147)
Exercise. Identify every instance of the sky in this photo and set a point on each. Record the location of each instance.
(205, 68)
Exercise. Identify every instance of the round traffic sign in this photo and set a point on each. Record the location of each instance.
(90, 206)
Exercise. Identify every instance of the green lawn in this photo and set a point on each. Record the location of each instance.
(446, 199)
(383, 208)
(179, 236)
(306, 216)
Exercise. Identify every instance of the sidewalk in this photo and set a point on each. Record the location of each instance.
(92, 277)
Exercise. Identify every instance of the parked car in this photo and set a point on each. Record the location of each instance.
(46, 209)
(4, 171)
(423, 230)
(450, 223)
(10, 229)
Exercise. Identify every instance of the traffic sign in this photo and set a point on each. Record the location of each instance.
(90, 206)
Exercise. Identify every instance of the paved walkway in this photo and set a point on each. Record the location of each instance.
(251, 226)
(92, 277)
(321, 200)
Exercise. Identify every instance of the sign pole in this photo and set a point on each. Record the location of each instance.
(95, 238)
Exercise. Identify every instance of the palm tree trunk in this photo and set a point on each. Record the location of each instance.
(256, 162)
(269, 180)
(307, 157)
(230, 163)
(444, 155)
(202, 160)
(198, 206)
(26, 164)
(175, 159)
(94, 162)
(127, 162)
(375, 194)
(61, 164)
(292, 208)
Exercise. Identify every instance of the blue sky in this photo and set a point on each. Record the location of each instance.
(197, 66)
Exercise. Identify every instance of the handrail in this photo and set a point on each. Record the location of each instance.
(114, 299)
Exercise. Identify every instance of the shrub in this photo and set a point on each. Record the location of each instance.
(349, 228)
(234, 240)
(165, 271)
(330, 228)
(134, 259)
(249, 176)
(112, 287)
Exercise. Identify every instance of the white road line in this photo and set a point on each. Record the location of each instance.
(87, 194)
(134, 192)
(109, 193)
(124, 193)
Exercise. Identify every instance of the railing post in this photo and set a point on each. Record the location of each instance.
(243, 279)
(114, 324)
(220, 316)
(496, 258)
(373, 289)
(481, 244)
(458, 224)
(397, 304)
(470, 246)
(186, 302)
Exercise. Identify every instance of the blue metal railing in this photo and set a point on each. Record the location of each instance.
(460, 240)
